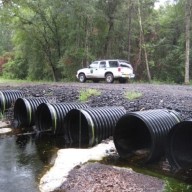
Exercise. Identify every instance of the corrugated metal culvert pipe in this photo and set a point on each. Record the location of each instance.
(179, 145)
(50, 116)
(144, 133)
(90, 126)
(8, 97)
(25, 109)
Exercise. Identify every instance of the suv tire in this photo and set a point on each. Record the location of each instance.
(82, 77)
(109, 78)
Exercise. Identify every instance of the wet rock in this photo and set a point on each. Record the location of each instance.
(4, 124)
(67, 160)
(5, 130)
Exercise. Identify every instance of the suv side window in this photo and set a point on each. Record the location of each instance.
(93, 65)
(125, 65)
(102, 64)
(113, 64)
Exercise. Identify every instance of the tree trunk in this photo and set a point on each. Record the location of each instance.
(108, 37)
(86, 42)
(129, 30)
(143, 43)
(187, 38)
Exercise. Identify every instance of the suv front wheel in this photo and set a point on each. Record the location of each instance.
(109, 78)
(82, 77)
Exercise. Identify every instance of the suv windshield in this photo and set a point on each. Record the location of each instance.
(94, 64)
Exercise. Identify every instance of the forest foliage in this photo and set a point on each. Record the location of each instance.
(51, 40)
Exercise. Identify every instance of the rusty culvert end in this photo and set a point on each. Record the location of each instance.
(8, 98)
(25, 109)
(144, 133)
(92, 125)
(179, 148)
(50, 116)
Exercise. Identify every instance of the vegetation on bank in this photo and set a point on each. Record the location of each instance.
(131, 95)
(84, 95)
(3, 80)
(50, 40)
(18, 81)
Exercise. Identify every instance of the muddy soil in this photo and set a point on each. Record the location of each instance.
(96, 177)
(101, 177)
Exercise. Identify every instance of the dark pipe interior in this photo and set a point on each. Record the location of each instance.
(1, 105)
(181, 144)
(2, 97)
(131, 135)
(20, 112)
(77, 127)
(43, 118)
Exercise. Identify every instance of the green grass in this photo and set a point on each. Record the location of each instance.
(14, 82)
(84, 95)
(131, 95)
(2, 80)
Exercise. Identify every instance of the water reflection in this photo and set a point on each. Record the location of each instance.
(22, 159)
(46, 153)
(22, 141)
(24, 155)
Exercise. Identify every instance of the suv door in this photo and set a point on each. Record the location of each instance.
(92, 69)
(113, 65)
(100, 72)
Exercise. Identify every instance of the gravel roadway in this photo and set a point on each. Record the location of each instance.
(177, 97)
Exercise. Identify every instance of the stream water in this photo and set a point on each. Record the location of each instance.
(22, 161)
(25, 158)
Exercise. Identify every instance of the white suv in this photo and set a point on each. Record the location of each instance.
(108, 70)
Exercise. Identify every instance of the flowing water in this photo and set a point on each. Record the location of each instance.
(25, 158)
(22, 160)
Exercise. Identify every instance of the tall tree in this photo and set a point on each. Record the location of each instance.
(52, 39)
(143, 44)
(188, 7)
(109, 8)
(37, 27)
(130, 10)
(168, 53)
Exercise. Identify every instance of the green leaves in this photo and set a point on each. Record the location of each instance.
(55, 38)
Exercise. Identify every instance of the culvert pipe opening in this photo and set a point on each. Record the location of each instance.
(132, 137)
(50, 116)
(2, 102)
(179, 145)
(144, 133)
(8, 98)
(22, 112)
(79, 127)
(25, 110)
(45, 117)
(92, 125)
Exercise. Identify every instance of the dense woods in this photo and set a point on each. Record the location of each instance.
(50, 40)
